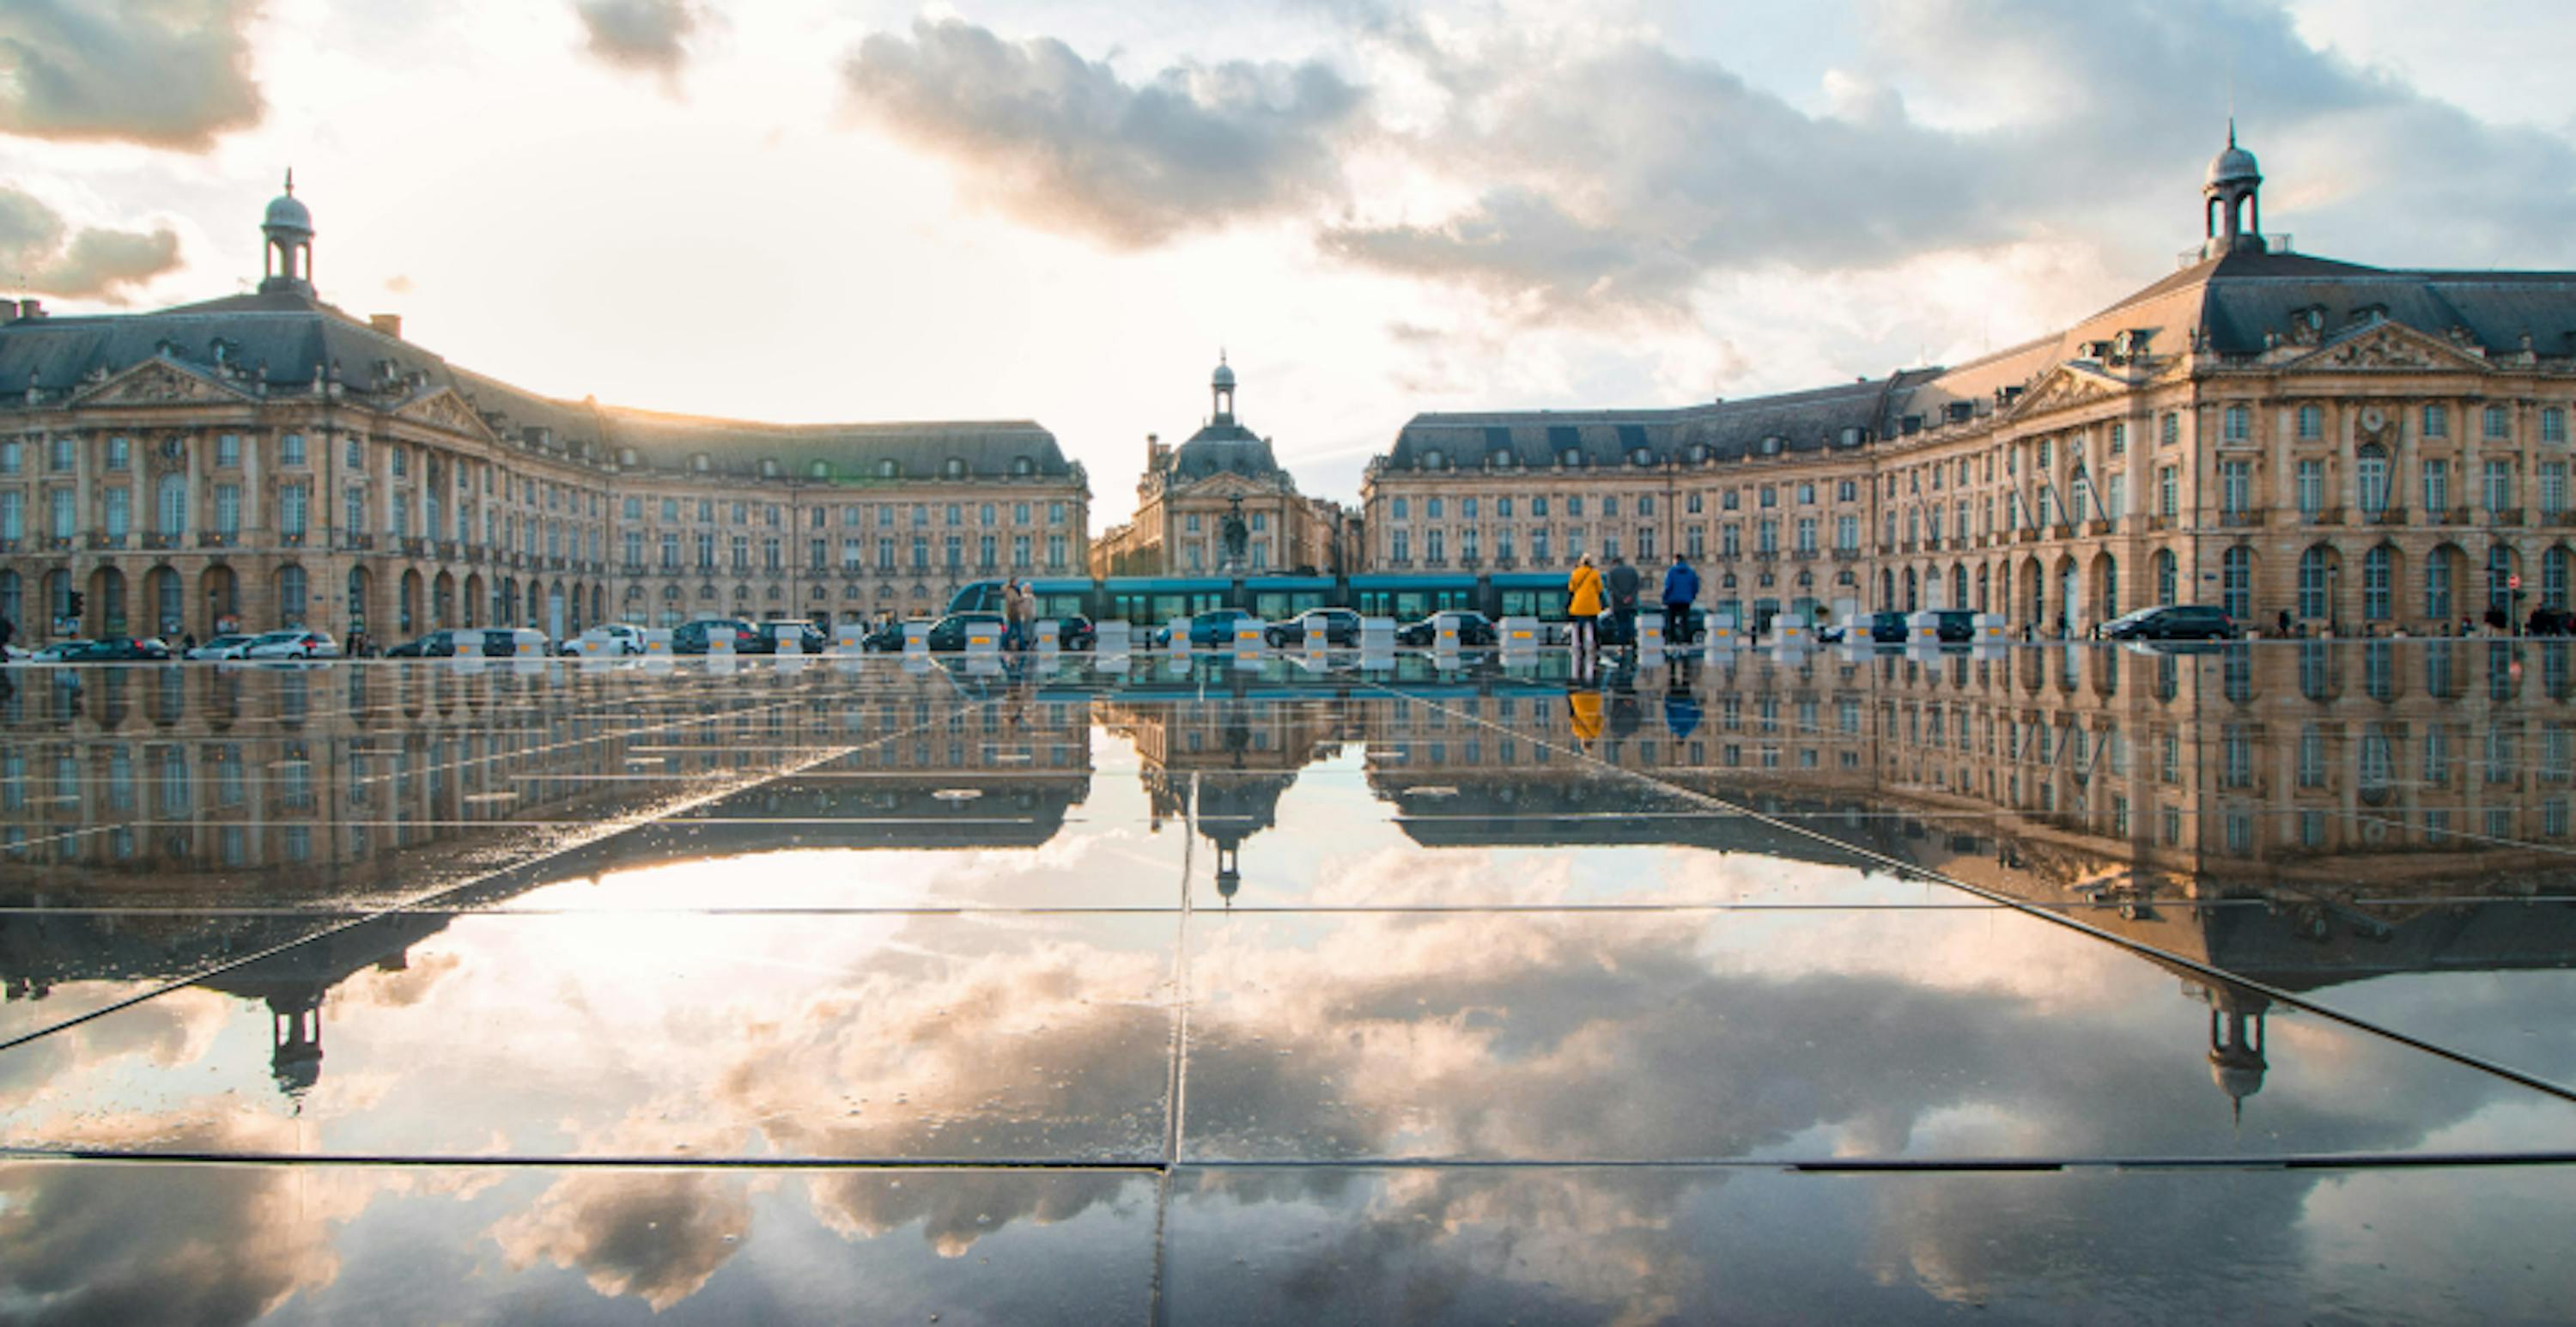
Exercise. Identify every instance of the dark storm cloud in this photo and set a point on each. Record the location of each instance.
(38, 251)
(649, 35)
(163, 73)
(1064, 143)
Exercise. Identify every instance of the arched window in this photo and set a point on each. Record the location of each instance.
(1571, 458)
(2314, 567)
(954, 468)
(2167, 577)
(2370, 470)
(173, 505)
(2438, 587)
(1023, 466)
(2378, 574)
(290, 595)
(1641, 457)
(2236, 582)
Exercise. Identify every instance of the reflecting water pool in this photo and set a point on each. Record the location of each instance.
(2037, 983)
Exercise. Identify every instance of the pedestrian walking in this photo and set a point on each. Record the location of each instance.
(1621, 583)
(1681, 589)
(1583, 607)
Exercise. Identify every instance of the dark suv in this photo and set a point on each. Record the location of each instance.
(691, 637)
(2180, 622)
(809, 637)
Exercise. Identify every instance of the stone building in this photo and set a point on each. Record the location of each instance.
(2361, 449)
(266, 460)
(1225, 472)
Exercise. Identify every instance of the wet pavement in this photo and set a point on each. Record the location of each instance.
(2046, 983)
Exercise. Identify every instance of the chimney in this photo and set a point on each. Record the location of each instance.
(388, 323)
(31, 308)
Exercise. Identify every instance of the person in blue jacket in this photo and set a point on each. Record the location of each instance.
(1681, 589)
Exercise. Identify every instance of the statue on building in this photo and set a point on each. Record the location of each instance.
(1237, 535)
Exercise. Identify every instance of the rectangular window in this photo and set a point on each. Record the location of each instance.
(2553, 426)
(1847, 533)
(2169, 429)
(2553, 488)
(120, 453)
(2495, 418)
(13, 515)
(2499, 485)
(670, 552)
(2168, 491)
(2437, 421)
(119, 512)
(2437, 487)
(2119, 444)
(1431, 509)
(293, 502)
(1503, 508)
(2115, 501)
(2312, 487)
(2237, 424)
(1538, 544)
(290, 449)
(1806, 535)
(1397, 509)
(1055, 552)
(11, 461)
(353, 511)
(67, 512)
(2312, 422)
(61, 459)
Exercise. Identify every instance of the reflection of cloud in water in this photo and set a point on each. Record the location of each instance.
(170, 1030)
(110, 1245)
(656, 1235)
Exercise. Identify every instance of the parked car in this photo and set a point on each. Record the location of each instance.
(1475, 630)
(1075, 632)
(691, 637)
(1954, 626)
(105, 649)
(2174, 622)
(1210, 630)
(809, 638)
(1888, 628)
(883, 638)
(222, 647)
(296, 644)
(435, 645)
(623, 638)
(1337, 626)
(951, 633)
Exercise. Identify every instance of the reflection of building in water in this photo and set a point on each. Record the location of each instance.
(251, 810)
(2300, 815)
(1222, 759)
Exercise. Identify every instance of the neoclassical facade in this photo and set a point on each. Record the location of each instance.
(1224, 472)
(267, 460)
(2363, 450)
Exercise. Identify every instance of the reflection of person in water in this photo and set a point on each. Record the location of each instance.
(1626, 715)
(1585, 704)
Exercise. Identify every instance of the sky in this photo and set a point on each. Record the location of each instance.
(816, 210)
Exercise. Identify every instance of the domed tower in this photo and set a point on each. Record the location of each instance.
(289, 231)
(2236, 1060)
(2232, 202)
(1221, 390)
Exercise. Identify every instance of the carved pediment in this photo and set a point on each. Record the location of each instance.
(2390, 347)
(159, 381)
(2064, 387)
(442, 408)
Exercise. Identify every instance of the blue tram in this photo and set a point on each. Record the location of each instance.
(1154, 600)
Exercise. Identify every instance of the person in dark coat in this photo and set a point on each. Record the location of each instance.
(1681, 589)
(1622, 582)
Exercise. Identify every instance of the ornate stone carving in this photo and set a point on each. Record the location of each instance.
(158, 384)
(2379, 350)
(444, 410)
(2063, 388)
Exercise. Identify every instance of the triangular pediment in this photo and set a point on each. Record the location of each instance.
(2065, 386)
(441, 407)
(161, 380)
(2388, 347)
(1226, 484)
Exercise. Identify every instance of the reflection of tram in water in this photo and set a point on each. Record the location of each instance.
(1154, 600)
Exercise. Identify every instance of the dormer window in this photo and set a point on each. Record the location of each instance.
(700, 462)
(820, 470)
(1501, 460)
(1571, 458)
(1430, 458)
(1699, 453)
(889, 469)
(1023, 466)
(953, 468)
(1641, 456)
(1771, 445)
(768, 468)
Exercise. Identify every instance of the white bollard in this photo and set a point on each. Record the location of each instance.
(657, 643)
(791, 643)
(849, 638)
(916, 638)
(720, 644)
(1247, 638)
(1792, 631)
(984, 640)
(1050, 635)
(468, 657)
(1177, 635)
(1112, 638)
(1650, 633)
(1721, 633)
(1377, 635)
(1989, 629)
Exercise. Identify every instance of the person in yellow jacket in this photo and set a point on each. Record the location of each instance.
(1583, 605)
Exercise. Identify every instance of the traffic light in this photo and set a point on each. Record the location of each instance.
(79, 603)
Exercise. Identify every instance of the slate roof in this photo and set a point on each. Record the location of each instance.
(1224, 446)
(1793, 422)
(290, 342)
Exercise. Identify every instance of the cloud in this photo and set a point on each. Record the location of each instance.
(656, 1235)
(646, 35)
(163, 73)
(1977, 125)
(90, 263)
(1065, 144)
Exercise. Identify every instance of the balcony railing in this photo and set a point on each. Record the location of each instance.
(414, 546)
(358, 542)
(2244, 519)
(2509, 516)
(217, 539)
(158, 540)
(291, 539)
(2383, 516)
(102, 539)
